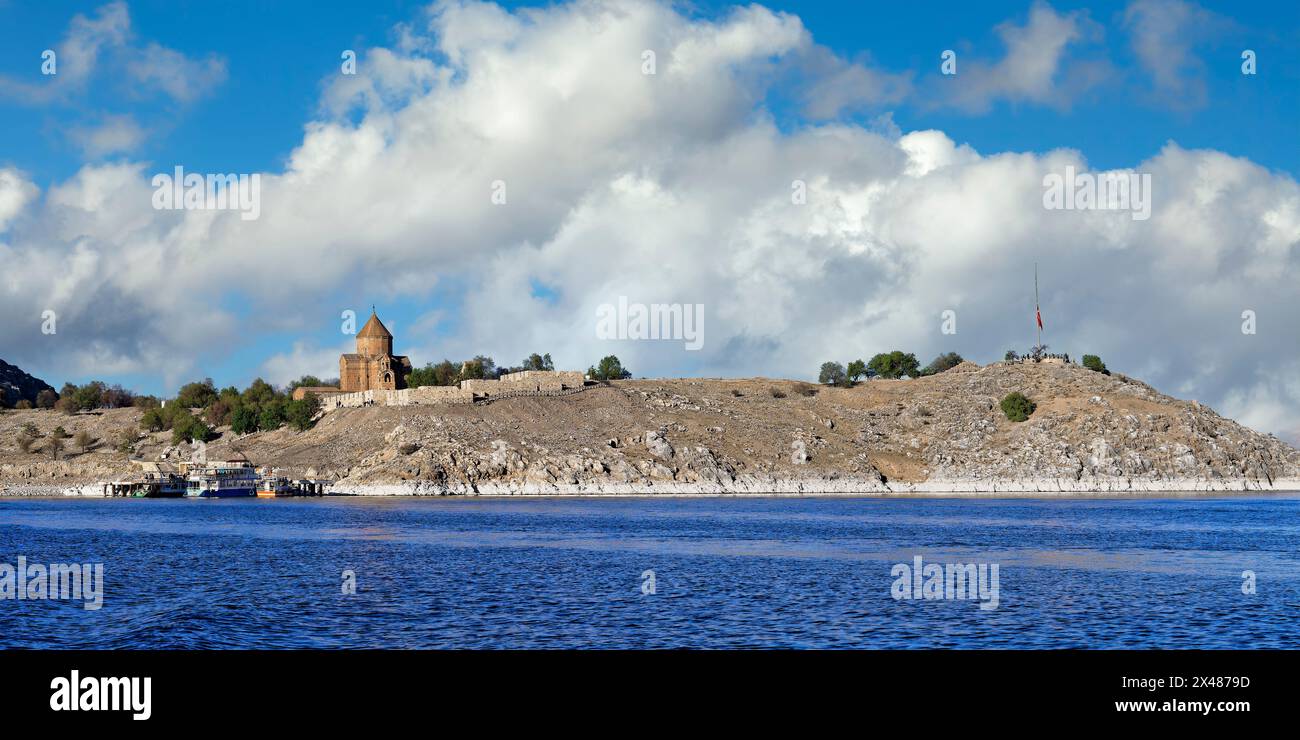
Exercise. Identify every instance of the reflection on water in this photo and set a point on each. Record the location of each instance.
(754, 572)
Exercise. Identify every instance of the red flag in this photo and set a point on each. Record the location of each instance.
(1039, 314)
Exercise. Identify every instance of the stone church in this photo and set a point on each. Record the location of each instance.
(374, 366)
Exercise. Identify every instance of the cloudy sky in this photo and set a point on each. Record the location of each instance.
(653, 151)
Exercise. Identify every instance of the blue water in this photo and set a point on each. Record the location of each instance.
(728, 572)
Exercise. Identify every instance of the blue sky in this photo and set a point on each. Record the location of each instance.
(257, 75)
(277, 55)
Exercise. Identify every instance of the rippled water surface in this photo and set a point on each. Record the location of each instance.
(727, 572)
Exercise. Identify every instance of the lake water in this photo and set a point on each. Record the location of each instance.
(726, 572)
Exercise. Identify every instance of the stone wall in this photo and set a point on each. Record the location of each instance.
(301, 391)
(511, 385)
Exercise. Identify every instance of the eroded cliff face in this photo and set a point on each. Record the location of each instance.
(1090, 432)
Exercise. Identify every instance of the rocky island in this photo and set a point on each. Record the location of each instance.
(944, 433)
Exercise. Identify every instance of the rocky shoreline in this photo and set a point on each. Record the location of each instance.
(759, 486)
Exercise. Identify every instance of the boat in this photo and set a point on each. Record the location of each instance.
(274, 486)
(229, 479)
(163, 485)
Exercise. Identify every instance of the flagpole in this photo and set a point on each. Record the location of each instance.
(1037, 312)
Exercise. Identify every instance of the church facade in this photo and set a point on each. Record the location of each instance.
(373, 366)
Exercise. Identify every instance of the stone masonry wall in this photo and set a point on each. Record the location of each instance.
(511, 385)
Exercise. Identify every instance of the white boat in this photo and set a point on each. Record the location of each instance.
(228, 479)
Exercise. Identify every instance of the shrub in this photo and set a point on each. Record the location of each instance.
(735, 392)
(946, 361)
(1017, 406)
(218, 413)
(807, 391)
(83, 440)
(832, 373)
(54, 445)
(46, 399)
(67, 404)
(124, 441)
(776, 392)
(1094, 363)
(23, 405)
(189, 428)
(152, 420)
(25, 442)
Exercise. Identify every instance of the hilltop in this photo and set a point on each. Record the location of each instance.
(1090, 432)
(16, 385)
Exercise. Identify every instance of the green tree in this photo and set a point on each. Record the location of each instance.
(895, 364)
(271, 417)
(609, 368)
(420, 376)
(89, 396)
(259, 394)
(82, 440)
(54, 445)
(197, 395)
(1094, 363)
(1017, 406)
(856, 369)
(189, 428)
(832, 373)
(306, 381)
(243, 420)
(299, 413)
(480, 368)
(538, 362)
(1011, 356)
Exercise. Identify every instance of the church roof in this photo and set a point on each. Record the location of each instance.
(374, 328)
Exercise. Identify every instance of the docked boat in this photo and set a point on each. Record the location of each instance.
(166, 485)
(232, 478)
(274, 486)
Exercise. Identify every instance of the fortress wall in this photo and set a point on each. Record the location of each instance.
(435, 394)
(527, 383)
